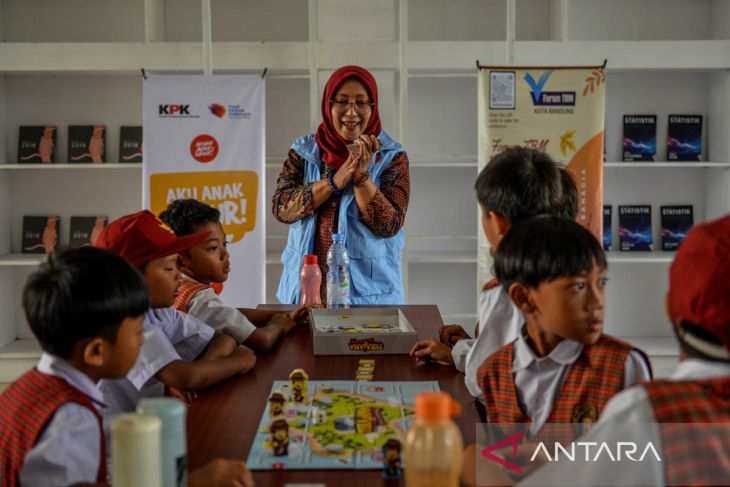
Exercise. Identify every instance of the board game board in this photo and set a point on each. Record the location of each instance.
(342, 424)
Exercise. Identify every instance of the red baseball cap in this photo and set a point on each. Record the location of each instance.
(699, 289)
(142, 237)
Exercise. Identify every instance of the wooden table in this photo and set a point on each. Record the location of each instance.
(222, 421)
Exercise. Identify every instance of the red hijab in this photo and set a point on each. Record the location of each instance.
(331, 143)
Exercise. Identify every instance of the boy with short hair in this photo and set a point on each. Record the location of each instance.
(86, 308)
(686, 417)
(206, 264)
(180, 351)
(561, 368)
(516, 184)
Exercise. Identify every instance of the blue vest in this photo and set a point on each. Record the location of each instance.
(374, 261)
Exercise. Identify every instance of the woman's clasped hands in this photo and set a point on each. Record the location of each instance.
(355, 168)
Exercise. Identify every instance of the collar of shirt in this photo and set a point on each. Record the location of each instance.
(698, 369)
(57, 367)
(212, 285)
(565, 353)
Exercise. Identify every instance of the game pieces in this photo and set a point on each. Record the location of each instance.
(365, 370)
(279, 430)
(277, 402)
(298, 379)
(391, 459)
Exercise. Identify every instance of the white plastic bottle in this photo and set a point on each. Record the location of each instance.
(338, 274)
(434, 449)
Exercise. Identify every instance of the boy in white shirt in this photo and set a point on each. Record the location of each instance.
(180, 351)
(205, 266)
(516, 184)
(86, 309)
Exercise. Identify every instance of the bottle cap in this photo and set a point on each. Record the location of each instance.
(310, 260)
(338, 237)
(436, 406)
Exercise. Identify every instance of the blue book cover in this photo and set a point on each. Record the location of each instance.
(639, 137)
(684, 138)
(634, 228)
(607, 227)
(676, 222)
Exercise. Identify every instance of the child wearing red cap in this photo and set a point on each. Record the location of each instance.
(180, 351)
(207, 263)
(686, 417)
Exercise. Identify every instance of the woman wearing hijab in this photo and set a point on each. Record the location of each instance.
(324, 188)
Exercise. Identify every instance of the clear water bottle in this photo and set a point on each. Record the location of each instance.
(338, 274)
(310, 279)
(434, 447)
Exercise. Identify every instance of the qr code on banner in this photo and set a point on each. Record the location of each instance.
(502, 89)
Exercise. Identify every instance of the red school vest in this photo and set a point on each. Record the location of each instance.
(695, 457)
(185, 293)
(595, 377)
(26, 407)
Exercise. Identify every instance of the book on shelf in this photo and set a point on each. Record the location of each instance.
(607, 228)
(87, 143)
(676, 222)
(639, 137)
(684, 138)
(130, 144)
(36, 144)
(634, 228)
(40, 234)
(85, 229)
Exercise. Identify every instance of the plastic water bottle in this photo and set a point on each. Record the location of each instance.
(338, 274)
(434, 448)
(171, 413)
(310, 278)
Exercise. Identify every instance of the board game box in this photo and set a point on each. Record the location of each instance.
(358, 331)
(339, 425)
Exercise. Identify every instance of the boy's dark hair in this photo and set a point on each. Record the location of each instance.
(570, 195)
(520, 183)
(544, 248)
(186, 216)
(82, 293)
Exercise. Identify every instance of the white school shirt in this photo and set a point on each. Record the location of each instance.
(539, 379)
(67, 451)
(629, 417)
(207, 306)
(169, 335)
(499, 324)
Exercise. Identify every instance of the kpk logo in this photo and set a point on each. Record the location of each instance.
(548, 98)
(175, 111)
(204, 148)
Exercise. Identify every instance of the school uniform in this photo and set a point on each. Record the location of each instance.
(572, 384)
(499, 324)
(169, 335)
(51, 430)
(201, 301)
(633, 416)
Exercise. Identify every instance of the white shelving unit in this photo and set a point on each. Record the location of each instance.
(79, 63)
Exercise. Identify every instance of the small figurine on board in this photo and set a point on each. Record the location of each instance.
(277, 401)
(391, 459)
(298, 379)
(279, 430)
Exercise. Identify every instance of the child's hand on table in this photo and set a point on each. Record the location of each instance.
(450, 334)
(433, 349)
(300, 316)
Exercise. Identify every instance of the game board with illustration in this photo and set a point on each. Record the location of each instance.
(339, 425)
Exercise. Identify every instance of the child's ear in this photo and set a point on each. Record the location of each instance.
(183, 259)
(520, 295)
(94, 352)
(501, 225)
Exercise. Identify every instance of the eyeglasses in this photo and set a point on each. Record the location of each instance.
(359, 105)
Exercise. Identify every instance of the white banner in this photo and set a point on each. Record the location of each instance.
(204, 139)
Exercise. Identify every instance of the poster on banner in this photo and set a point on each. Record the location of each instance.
(204, 138)
(560, 111)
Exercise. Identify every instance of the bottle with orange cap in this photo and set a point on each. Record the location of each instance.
(434, 448)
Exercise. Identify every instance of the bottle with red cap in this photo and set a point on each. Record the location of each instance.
(310, 278)
(434, 448)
